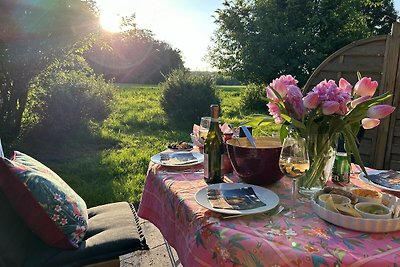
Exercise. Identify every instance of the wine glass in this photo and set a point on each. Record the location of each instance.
(294, 163)
(204, 127)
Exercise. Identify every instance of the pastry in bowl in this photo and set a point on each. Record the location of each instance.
(367, 195)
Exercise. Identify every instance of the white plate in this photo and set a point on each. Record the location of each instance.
(191, 146)
(269, 198)
(374, 172)
(199, 158)
(360, 224)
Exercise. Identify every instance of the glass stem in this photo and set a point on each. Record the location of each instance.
(294, 196)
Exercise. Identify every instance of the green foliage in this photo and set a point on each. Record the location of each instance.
(253, 99)
(65, 96)
(186, 97)
(108, 161)
(33, 34)
(258, 40)
(133, 55)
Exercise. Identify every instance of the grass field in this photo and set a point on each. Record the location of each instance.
(109, 163)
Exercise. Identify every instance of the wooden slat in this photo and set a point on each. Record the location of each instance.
(365, 67)
(392, 86)
(395, 149)
(394, 165)
(396, 131)
(376, 48)
(396, 140)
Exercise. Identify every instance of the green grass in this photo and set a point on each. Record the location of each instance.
(109, 162)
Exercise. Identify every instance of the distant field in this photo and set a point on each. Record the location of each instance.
(110, 163)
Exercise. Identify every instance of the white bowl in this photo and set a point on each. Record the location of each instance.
(360, 224)
(370, 210)
(367, 195)
(337, 199)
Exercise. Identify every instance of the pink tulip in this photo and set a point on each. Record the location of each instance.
(280, 84)
(281, 88)
(359, 100)
(295, 102)
(365, 87)
(271, 94)
(275, 113)
(345, 85)
(311, 100)
(368, 123)
(380, 111)
(330, 107)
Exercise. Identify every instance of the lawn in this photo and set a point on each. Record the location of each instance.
(109, 163)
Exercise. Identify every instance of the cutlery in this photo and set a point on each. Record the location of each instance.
(270, 213)
(248, 135)
(183, 171)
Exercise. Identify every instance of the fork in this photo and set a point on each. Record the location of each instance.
(188, 171)
(270, 213)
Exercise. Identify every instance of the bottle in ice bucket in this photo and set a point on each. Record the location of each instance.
(341, 168)
(214, 150)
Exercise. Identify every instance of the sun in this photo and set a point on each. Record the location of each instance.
(110, 21)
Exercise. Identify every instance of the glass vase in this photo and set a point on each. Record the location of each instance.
(322, 150)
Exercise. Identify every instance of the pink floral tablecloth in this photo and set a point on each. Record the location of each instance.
(202, 238)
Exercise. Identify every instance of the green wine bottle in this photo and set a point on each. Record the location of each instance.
(214, 150)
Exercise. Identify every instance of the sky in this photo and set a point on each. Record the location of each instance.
(186, 25)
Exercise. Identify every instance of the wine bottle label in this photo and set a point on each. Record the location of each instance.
(206, 172)
(214, 120)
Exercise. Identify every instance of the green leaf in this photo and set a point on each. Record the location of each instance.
(296, 123)
(283, 132)
(351, 147)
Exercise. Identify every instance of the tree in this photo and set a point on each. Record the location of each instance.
(133, 56)
(32, 34)
(257, 40)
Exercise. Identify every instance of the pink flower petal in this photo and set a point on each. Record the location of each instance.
(281, 88)
(359, 100)
(365, 87)
(368, 123)
(330, 107)
(310, 101)
(380, 111)
(345, 85)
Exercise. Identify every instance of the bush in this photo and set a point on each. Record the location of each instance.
(66, 96)
(251, 99)
(186, 98)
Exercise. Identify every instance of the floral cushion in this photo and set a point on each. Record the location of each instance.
(45, 202)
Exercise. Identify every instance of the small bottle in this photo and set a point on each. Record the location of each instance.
(341, 168)
(214, 150)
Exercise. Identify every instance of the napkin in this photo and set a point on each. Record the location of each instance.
(177, 158)
(237, 199)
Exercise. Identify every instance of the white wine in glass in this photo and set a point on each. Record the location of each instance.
(204, 127)
(294, 163)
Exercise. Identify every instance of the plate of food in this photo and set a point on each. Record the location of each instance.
(182, 146)
(368, 217)
(236, 198)
(385, 179)
(178, 159)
